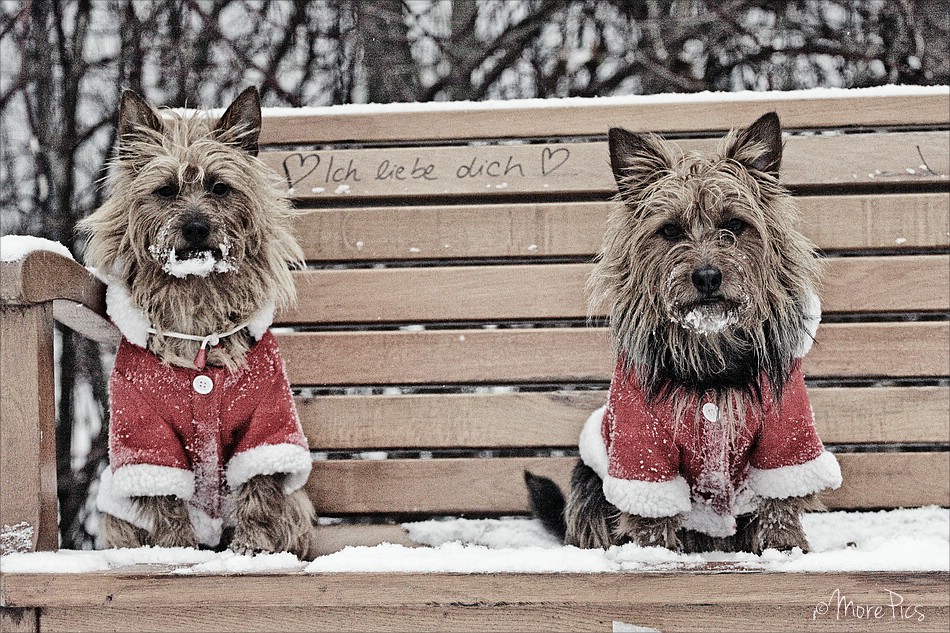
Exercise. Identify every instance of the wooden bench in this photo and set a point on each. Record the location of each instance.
(443, 321)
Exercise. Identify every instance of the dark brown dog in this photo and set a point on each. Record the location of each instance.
(707, 441)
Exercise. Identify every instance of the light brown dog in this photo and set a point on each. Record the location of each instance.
(196, 247)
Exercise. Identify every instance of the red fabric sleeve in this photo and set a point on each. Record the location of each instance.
(639, 445)
(139, 432)
(788, 436)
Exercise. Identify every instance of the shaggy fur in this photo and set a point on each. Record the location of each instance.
(188, 187)
(175, 170)
(682, 220)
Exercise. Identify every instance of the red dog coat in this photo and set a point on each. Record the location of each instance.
(655, 466)
(194, 434)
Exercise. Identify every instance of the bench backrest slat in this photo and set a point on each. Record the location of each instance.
(591, 117)
(553, 419)
(496, 485)
(576, 355)
(575, 229)
(536, 292)
(582, 169)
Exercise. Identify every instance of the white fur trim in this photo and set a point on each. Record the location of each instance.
(135, 325)
(812, 319)
(119, 506)
(799, 480)
(648, 498)
(132, 322)
(645, 498)
(149, 480)
(261, 320)
(591, 443)
(292, 459)
(207, 529)
(703, 518)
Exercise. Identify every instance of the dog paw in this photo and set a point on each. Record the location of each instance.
(247, 545)
(242, 550)
(778, 525)
(781, 540)
(649, 532)
(174, 540)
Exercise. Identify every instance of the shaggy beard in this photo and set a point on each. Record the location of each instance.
(670, 359)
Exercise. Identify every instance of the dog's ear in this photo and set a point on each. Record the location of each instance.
(241, 122)
(136, 117)
(759, 146)
(636, 159)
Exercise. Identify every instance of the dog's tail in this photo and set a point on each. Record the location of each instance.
(547, 503)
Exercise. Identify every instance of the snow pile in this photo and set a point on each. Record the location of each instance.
(74, 561)
(15, 247)
(621, 100)
(915, 539)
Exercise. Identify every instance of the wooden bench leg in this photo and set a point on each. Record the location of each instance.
(28, 519)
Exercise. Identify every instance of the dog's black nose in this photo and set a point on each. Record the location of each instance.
(196, 231)
(707, 279)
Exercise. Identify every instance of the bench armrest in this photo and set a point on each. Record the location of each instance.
(33, 291)
(78, 297)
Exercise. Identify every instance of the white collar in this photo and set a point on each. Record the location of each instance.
(135, 326)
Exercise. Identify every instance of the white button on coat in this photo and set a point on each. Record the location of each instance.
(711, 412)
(203, 384)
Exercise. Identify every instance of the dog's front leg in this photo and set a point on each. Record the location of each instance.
(649, 531)
(778, 524)
(171, 525)
(269, 520)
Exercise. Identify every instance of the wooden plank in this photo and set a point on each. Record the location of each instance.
(79, 299)
(880, 349)
(855, 415)
(28, 437)
(585, 117)
(333, 538)
(916, 220)
(558, 229)
(496, 485)
(121, 589)
(462, 231)
(546, 419)
(523, 616)
(917, 283)
(868, 160)
(555, 355)
(447, 356)
(553, 419)
(886, 480)
(678, 599)
(886, 284)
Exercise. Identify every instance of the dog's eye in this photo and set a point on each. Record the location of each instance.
(220, 189)
(672, 232)
(735, 226)
(168, 191)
